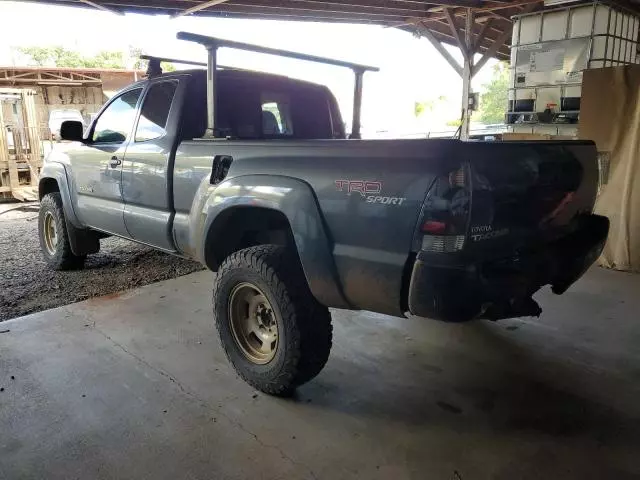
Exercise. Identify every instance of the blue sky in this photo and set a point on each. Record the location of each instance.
(411, 69)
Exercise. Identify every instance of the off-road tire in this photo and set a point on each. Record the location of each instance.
(63, 258)
(304, 325)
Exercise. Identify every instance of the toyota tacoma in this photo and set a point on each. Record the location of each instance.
(253, 175)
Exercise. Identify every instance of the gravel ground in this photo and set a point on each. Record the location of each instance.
(27, 285)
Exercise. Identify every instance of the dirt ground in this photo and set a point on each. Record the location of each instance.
(27, 285)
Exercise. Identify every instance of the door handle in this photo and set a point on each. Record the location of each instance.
(114, 162)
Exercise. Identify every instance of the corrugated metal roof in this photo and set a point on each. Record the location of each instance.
(444, 19)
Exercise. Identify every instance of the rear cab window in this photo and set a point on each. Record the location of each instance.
(276, 115)
(262, 107)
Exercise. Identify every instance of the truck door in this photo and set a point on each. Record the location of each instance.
(96, 165)
(148, 166)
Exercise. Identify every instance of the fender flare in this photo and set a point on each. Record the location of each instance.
(57, 172)
(296, 200)
(81, 240)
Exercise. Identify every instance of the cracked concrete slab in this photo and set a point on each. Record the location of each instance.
(135, 385)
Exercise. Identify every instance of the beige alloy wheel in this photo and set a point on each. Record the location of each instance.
(253, 323)
(50, 233)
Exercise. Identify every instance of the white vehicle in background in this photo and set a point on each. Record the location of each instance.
(56, 117)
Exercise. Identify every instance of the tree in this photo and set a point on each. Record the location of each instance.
(134, 55)
(105, 59)
(61, 57)
(428, 105)
(39, 55)
(493, 102)
(168, 67)
(58, 56)
(140, 64)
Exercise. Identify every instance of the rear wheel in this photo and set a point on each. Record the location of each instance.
(54, 238)
(273, 331)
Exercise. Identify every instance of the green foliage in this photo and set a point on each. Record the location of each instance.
(61, 57)
(168, 67)
(427, 105)
(40, 56)
(454, 123)
(140, 64)
(105, 59)
(493, 102)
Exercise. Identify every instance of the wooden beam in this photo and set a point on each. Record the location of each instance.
(459, 3)
(481, 34)
(102, 7)
(488, 8)
(410, 8)
(493, 49)
(425, 32)
(467, 75)
(497, 43)
(456, 33)
(442, 32)
(197, 8)
(501, 16)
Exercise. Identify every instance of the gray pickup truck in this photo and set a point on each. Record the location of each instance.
(253, 175)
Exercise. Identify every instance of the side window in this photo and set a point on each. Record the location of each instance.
(116, 121)
(276, 114)
(155, 111)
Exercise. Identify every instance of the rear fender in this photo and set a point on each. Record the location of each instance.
(293, 198)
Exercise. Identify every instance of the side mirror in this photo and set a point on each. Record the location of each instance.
(72, 130)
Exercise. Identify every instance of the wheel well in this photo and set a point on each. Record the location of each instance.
(47, 185)
(243, 227)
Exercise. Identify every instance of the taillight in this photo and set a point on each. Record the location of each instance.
(446, 212)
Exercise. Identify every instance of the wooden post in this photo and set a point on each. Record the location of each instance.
(32, 133)
(4, 156)
(14, 180)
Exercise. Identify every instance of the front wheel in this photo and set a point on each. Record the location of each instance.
(54, 238)
(273, 331)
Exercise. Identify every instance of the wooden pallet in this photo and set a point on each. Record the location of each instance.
(18, 158)
(25, 194)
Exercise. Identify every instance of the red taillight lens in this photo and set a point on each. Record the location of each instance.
(431, 226)
(446, 212)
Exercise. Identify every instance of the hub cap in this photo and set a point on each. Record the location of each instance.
(253, 323)
(50, 233)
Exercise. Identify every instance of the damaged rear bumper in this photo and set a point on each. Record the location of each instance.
(503, 288)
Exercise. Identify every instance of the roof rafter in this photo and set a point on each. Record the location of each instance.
(197, 8)
(101, 7)
(443, 18)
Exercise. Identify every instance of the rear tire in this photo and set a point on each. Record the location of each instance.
(54, 238)
(297, 328)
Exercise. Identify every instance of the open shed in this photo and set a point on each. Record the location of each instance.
(133, 383)
(476, 27)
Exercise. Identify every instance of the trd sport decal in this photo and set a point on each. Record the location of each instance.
(369, 190)
(364, 188)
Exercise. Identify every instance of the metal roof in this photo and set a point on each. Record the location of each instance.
(444, 19)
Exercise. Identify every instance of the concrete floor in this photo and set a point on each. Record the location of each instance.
(136, 386)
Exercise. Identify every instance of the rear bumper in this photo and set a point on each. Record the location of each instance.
(503, 288)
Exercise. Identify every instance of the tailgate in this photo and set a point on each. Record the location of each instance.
(524, 194)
